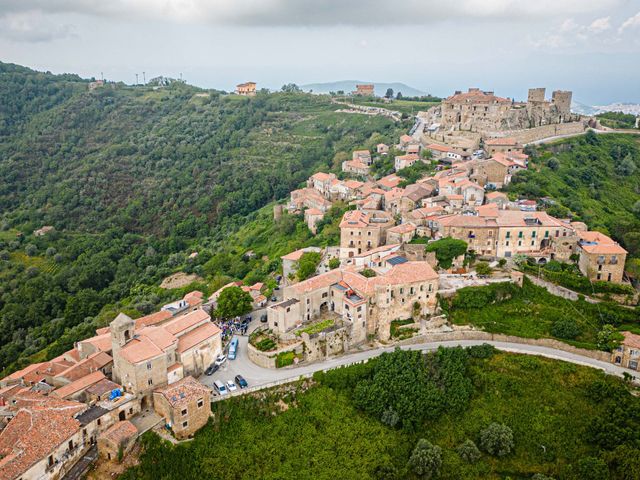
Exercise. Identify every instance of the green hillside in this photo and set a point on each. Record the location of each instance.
(135, 178)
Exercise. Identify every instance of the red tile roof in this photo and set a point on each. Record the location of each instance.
(197, 336)
(186, 390)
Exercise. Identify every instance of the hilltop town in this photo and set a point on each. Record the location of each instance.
(438, 223)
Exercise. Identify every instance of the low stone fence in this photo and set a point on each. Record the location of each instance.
(268, 359)
(460, 335)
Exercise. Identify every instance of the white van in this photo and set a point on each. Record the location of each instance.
(220, 387)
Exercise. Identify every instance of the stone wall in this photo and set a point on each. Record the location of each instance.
(538, 133)
(325, 344)
(461, 335)
(268, 359)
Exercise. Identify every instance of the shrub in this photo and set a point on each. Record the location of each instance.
(483, 268)
(540, 476)
(426, 459)
(469, 452)
(285, 358)
(481, 351)
(31, 250)
(334, 263)
(446, 250)
(390, 417)
(307, 265)
(368, 273)
(266, 344)
(497, 439)
(566, 328)
(502, 262)
(591, 468)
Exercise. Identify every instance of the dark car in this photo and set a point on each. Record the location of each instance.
(213, 368)
(241, 382)
(274, 299)
(263, 319)
(276, 287)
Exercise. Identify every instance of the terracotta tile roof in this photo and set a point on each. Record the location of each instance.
(90, 364)
(79, 385)
(321, 176)
(402, 228)
(598, 243)
(393, 194)
(197, 336)
(139, 350)
(103, 386)
(355, 164)
(354, 219)
(507, 141)
(390, 181)
(406, 138)
(100, 342)
(476, 96)
(175, 366)
(39, 427)
(631, 340)
(492, 195)
(314, 211)
(353, 184)
(120, 432)
(186, 390)
(439, 148)
(153, 319)
(294, 256)
(180, 324)
(193, 298)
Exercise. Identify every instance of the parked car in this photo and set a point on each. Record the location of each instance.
(220, 387)
(241, 382)
(211, 369)
(277, 287)
(220, 360)
(274, 299)
(231, 386)
(263, 318)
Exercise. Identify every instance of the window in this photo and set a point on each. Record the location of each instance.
(324, 295)
(506, 243)
(183, 412)
(50, 460)
(533, 234)
(508, 235)
(148, 365)
(185, 424)
(519, 243)
(70, 444)
(546, 234)
(411, 291)
(533, 242)
(150, 381)
(401, 290)
(430, 287)
(520, 234)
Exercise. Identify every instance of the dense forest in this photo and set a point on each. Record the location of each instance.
(452, 414)
(133, 179)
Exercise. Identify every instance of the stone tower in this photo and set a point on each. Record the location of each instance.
(562, 100)
(536, 95)
(122, 329)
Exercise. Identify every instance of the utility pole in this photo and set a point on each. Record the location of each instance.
(102, 76)
(144, 78)
(136, 79)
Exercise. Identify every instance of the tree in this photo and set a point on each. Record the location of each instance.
(334, 263)
(368, 273)
(483, 268)
(233, 302)
(502, 262)
(497, 439)
(608, 338)
(31, 250)
(566, 328)
(553, 163)
(399, 96)
(426, 459)
(389, 93)
(469, 452)
(308, 264)
(591, 468)
(540, 476)
(636, 208)
(626, 167)
(446, 250)
(291, 88)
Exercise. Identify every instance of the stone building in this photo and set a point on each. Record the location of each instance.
(117, 441)
(505, 233)
(503, 145)
(154, 356)
(247, 89)
(601, 258)
(627, 355)
(364, 90)
(184, 405)
(360, 231)
(400, 289)
(485, 113)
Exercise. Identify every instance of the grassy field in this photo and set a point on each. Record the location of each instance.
(532, 312)
(410, 107)
(318, 434)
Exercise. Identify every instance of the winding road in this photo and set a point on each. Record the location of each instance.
(259, 377)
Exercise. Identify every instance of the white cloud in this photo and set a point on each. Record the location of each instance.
(631, 22)
(600, 25)
(316, 12)
(34, 27)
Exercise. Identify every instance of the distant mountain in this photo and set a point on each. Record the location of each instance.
(583, 109)
(632, 108)
(350, 85)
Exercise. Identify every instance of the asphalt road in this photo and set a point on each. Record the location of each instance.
(257, 376)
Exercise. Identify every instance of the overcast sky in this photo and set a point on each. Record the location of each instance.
(589, 46)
